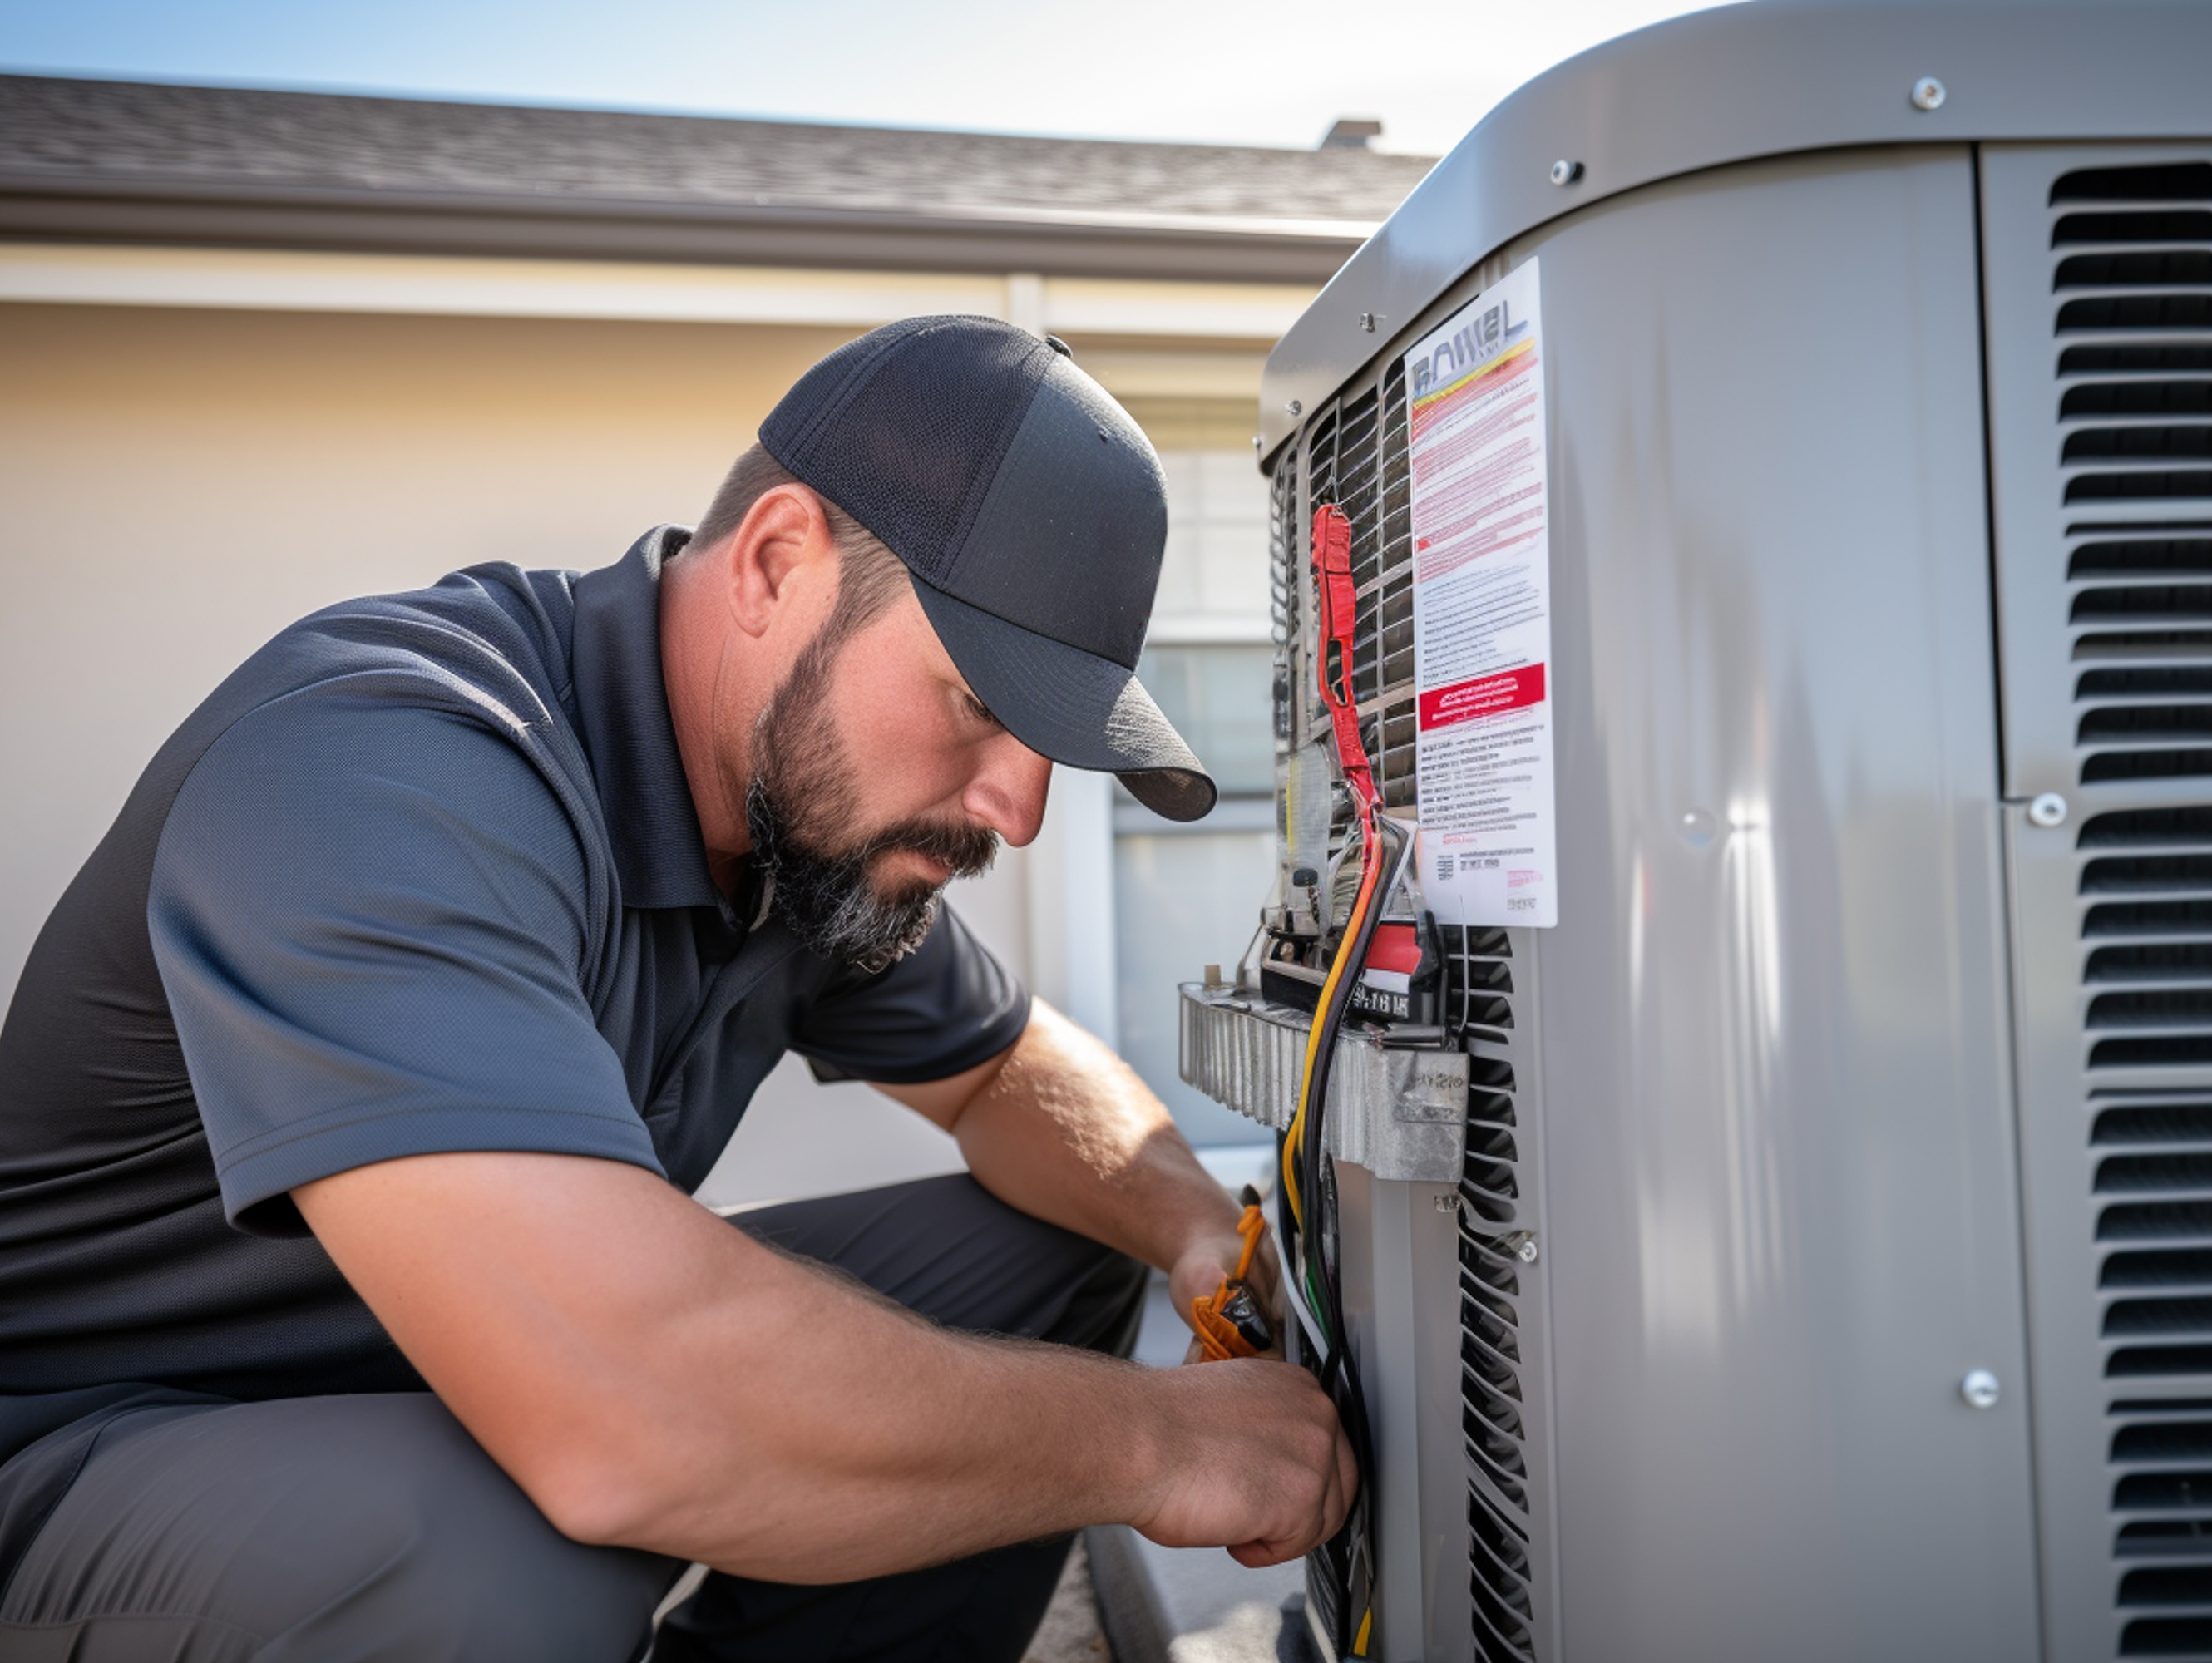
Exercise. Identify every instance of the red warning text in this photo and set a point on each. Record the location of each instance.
(1486, 695)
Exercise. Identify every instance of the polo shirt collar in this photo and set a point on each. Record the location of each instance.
(622, 708)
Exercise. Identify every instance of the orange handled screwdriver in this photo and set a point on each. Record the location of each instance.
(1230, 1322)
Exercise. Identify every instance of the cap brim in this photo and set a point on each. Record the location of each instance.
(1071, 706)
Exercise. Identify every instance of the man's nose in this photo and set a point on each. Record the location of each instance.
(1008, 792)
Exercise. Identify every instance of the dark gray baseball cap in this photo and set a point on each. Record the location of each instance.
(1031, 514)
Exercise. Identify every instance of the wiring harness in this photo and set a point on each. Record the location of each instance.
(1310, 1276)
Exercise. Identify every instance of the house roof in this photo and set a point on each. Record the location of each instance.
(131, 162)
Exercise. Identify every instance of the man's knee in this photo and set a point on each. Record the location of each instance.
(952, 1251)
(454, 1556)
(368, 1527)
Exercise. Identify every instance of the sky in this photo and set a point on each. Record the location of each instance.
(1188, 69)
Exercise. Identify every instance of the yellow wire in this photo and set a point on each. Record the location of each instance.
(1366, 1623)
(1295, 1140)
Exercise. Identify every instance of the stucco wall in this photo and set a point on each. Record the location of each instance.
(177, 484)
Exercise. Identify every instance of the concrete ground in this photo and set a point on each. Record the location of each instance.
(1189, 1605)
(1070, 1632)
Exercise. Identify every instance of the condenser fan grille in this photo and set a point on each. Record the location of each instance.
(1284, 592)
(2136, 271)
(2132, 283)
(2148, 965)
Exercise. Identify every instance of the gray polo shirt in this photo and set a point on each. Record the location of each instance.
(423, 875)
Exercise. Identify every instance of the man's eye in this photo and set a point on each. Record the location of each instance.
(980, 712)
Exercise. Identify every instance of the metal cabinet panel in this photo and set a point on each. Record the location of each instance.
(1780, 1176)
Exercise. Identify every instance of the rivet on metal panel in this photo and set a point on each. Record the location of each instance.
(1928, 93)
(1367, 322)
(2047, 809)
(1295, 408)
(1980, 1389)
(1447, 1203)
(1564, 172)
(1522, 1244)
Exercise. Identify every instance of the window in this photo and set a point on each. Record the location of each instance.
(1219, 698)
(1189, 895)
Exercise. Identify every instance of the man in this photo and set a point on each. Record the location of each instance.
(429, 967)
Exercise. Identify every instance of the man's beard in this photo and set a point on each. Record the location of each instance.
(802, 800)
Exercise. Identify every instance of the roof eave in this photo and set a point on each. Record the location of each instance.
(78, 208)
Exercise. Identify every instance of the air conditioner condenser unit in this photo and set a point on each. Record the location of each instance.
(1759, 1202)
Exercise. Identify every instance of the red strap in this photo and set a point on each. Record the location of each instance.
(1340, 609)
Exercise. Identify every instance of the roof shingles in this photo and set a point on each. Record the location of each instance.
(55, 132)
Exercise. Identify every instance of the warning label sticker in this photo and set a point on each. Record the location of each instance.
(1482, 610)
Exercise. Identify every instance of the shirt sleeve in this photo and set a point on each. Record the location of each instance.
(946, 1006)
(372, 920)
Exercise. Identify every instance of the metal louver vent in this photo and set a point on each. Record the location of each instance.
(2132, 280)
(2146, 933)
(1392, 600)
(2133, 251)
(1284, 588)
(2134, 271)
(1344, 461)
(1492, 1363)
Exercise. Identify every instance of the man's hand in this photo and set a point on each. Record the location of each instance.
(1269, 1464)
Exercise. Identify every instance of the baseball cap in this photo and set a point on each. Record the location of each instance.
(1031, 513)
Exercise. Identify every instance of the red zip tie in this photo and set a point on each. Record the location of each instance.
(1340, 611)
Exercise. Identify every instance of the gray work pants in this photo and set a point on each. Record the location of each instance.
(372, 1527)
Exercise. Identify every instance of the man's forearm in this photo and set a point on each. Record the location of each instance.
(1066, 1131)
(653, 1378)
(867, 1441)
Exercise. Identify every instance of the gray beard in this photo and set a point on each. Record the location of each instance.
(801, 798)
(828, 901)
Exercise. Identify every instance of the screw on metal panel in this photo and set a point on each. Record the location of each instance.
(2047, 809)
(1522, 1244)
(1928, 93)
(1447, 1202)
(1564, 172)
(1295, 408)
(1980, 1389)
(1367, 322)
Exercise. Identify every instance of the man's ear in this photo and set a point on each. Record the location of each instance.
(779, 551)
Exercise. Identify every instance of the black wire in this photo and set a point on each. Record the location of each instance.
(1339, 1374)
(1309, 1154)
